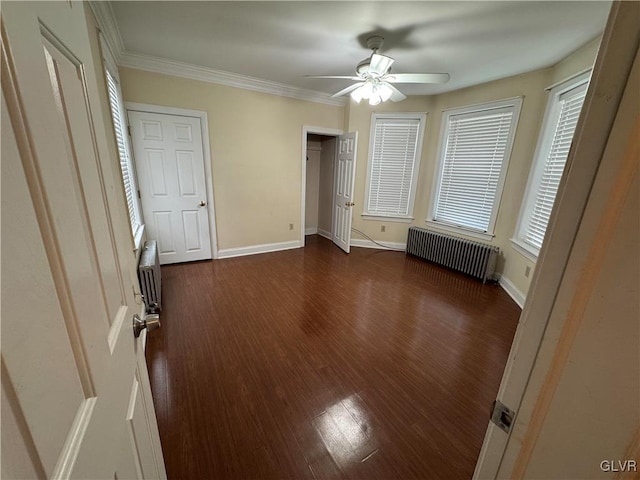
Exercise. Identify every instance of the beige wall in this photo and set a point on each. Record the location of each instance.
(516, 264)
(325, 201)
(359, 120)
(531, 86)
(256, 151)
(255, 143)
(578, 61)
(313, 185)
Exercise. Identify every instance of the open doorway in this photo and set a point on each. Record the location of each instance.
(320, 163)
(319, 151)
(333, 160)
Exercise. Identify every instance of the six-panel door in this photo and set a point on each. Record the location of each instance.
(169, 159)
(344, 183)
(76, 400)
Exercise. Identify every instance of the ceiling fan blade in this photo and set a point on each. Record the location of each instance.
(346, 77)
(417, 78)
(397, 95)
(349, 89)
(380, 64)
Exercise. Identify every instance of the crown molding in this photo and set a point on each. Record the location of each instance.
(205, 74)
(107, 24)
(106, 19)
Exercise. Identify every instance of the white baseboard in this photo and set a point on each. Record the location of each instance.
(255, 249)
(361, 242)
(513, 292)
(325, 234)
(311, 231)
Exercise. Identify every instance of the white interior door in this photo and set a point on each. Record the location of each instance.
(169, 159)
(76, 399)
(344, 183)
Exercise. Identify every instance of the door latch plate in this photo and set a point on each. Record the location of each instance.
(502, 416)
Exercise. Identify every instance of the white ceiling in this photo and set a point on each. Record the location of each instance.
(281, 42)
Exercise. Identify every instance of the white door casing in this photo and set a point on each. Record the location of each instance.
(344, 176)
(76, 399)
(306, 130)
(506, 455)
(169, 158)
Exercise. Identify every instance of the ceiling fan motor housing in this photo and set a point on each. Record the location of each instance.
(374, 43)
(363, 66)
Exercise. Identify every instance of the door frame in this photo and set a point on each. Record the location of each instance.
(206, 150)
(608, 82)
(310, 129)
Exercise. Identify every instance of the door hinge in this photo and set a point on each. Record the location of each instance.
(139, 193)
(129, 129)
(502, 415)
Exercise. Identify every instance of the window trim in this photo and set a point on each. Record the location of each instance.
(460, 230)
(516, 104)
(549, 125)
(422, 120)
(397, 218)
(110, 67)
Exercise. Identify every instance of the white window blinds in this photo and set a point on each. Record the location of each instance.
(126, 166)
(394, 149)
(475, 150)
(554, 154)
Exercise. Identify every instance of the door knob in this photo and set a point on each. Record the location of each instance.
(202, 203)
(151, 323)
(349, 204)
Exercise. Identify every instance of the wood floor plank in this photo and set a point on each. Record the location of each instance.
(310, 363)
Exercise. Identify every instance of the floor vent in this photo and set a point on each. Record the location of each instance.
(149, 276)
(473, 258)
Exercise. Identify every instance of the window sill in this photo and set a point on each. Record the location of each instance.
(524, 250)
(137, 238)
(386, 218)
(460, 230)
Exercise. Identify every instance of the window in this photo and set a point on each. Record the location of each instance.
(563, 109)
(475, 147)
(394, 156)
(119, 125)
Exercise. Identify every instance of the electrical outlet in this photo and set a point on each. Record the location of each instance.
(383, 228)
(527, 271)
(291, 226)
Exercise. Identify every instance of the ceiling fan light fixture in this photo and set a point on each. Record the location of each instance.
(375, 99)
(368, 89)
(375, 92)
(364, 91)
(357, 95)
(384, 90)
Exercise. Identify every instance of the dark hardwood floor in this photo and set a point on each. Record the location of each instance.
(310, 363)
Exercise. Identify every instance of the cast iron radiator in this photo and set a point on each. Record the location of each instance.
(473, 258)
(149, 276)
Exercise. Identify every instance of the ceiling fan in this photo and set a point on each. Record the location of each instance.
(375, 78)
